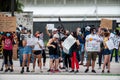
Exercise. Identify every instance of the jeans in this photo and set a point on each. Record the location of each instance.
(20, 52)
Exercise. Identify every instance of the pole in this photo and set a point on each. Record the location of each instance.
(12, 7)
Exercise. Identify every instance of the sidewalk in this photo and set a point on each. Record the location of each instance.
(115, 69)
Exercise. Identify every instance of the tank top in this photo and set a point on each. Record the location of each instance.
(53, 51)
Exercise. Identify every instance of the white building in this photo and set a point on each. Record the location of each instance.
(73, 10)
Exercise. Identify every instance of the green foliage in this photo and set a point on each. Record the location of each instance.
(5, 6)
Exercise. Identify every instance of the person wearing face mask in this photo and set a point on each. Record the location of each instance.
(43, 49)
(7, 41)
(82, 42)
(27, 51)
(37, 50)
(93, 37)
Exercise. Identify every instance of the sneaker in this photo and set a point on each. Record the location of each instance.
(93, 71)
(22, 71)
(66, 69)
(33, 70)
(81, 64)
(48, 70)
(6, 70)
(11, 70)
(1, 69)
(108, 71)
(71, 71)
(102, 71)
(86, 70)
(57, 70)
(76, 71)
(52, 71)
(41, 70)
(27, 70)
(99, 68)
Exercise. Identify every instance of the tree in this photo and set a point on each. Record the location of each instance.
(5, 6)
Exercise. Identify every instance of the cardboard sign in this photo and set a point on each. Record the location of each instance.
(93, 46)
(105, 23)
(7, 24)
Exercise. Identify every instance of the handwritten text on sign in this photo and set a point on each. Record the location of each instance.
(93, 46)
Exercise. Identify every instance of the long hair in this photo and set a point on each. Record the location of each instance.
(75, 35)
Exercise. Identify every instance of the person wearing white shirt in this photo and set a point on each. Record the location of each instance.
(37, 50)
(116, 41)
(93, 37)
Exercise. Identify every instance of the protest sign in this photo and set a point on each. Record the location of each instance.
(7, 24)
(106, 23)
(68, 42)
(110, 44)
(50, 26)
(93, 46)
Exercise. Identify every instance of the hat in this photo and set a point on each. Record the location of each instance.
(87, 28)
(55, 36)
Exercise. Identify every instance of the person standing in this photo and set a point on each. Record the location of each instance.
(7, 42)
(74, 53)
(37, 50)
(65, 55)
(53, 52)
(106, 52)
(27, 51)
(93, 37)
(116, 41)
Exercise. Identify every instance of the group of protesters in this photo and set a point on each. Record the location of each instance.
(31, 48)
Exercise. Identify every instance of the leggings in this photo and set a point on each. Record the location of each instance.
(100, 58)
(44, 56)
(8, 56)
(67, 61)
(74, 61)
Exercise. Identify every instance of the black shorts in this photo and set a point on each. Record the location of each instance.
(38, 52)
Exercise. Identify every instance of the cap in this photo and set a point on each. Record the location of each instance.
(55, 36)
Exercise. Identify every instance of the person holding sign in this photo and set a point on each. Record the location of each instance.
(54, 31)
(90, 49)
(116, 42)
(106, 52)
(74, 53)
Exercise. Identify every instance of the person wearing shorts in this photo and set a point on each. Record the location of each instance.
(37, 50)
(27, 51)
(54, 56)
(93, 37)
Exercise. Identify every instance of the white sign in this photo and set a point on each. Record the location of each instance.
(30, 41)
(93, 46)
(50, 26)
(110, 44)
(68, 42)
(65, 50)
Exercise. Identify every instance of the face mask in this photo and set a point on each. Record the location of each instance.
(94, 32)
(8, 34)
(80, 33)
